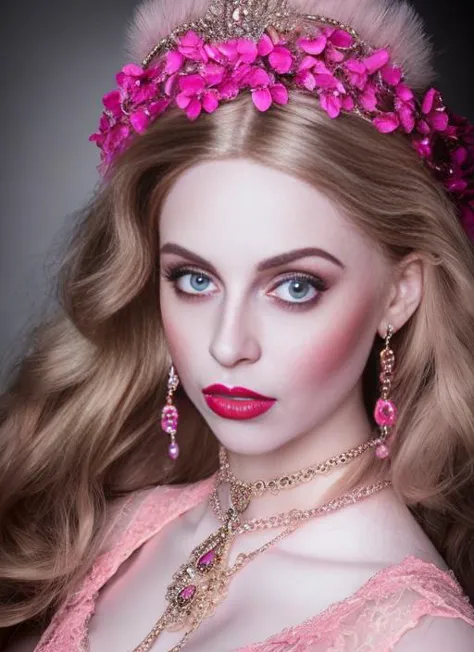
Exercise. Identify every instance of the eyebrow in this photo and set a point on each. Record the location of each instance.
(264, 265)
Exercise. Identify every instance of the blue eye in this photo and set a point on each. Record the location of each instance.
(188, 281)
(299, 289)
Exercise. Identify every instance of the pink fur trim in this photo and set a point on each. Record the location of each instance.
(381, 23)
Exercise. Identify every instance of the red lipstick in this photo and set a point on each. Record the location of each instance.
(236, 402)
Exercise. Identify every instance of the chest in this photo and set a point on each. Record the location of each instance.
(276, 590)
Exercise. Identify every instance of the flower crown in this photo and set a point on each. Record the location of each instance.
(266, 49)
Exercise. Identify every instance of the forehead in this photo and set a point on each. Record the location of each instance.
(228, 209)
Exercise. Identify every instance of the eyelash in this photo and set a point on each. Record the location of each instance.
(173, 274)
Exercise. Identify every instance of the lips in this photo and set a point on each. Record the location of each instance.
(236, 402)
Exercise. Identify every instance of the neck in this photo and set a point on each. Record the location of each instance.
(335, 436)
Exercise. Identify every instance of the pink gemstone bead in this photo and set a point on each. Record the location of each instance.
(385, 412)
(187, 593)
(169, 419)
(382, 451)
(173, 450)
(207, 559)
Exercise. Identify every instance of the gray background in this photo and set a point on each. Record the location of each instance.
(58, 59)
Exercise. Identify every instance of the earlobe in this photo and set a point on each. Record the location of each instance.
(406, 293)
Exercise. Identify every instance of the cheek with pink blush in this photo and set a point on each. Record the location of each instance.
(333, 349)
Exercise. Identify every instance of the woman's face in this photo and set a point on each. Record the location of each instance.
(265, 285)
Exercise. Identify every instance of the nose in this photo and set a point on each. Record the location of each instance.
(235, 338)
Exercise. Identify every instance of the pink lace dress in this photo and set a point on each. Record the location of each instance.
(373, 619)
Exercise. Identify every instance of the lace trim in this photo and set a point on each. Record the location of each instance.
(159, 506)
(387, 605)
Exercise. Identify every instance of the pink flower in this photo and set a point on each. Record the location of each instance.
(191, 46)
(368, 98)
(264, 90)
(137, 84)
(195, 96)
(235, 51)
(404, 104)
(434, 110)
(356, 73)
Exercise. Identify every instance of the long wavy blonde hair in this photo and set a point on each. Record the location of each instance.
(79, 422)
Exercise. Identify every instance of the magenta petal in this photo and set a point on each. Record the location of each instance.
(174, 62)
(111, 101)
(183, 100)
(404, 92)
(386, 123)
(247, 49)
(133, 70)
(428, 101)
(313, 46)
(191, 84)
(170, 84)
(331, 104)
(258, 77)
(214, 53)
(368, 99)
(326, 81)
(213, 73)
(456, 185)
(139, 121)
(280, 59)
(229, 49)
(210, 102)
(307, 80)
(264, 45)
(460, 155)
(228, 90)
(190, 39)
(279, 93)
(391, 75)
(376, 60)
(262, 99)
(438, 120)
(341, 39)
(333, 55)
(194, 109)
(407, 118)
(355, 65)
(347, 103)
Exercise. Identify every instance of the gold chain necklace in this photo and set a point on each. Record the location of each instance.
(200, 584)
(241, 492)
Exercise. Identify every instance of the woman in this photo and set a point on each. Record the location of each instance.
(279, 267)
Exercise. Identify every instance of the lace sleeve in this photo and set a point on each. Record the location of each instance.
(410, 607)
(425, 615)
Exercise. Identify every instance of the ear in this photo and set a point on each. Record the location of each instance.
(405, 293)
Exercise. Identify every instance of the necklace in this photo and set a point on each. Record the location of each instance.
(241, 492)
(200, 584)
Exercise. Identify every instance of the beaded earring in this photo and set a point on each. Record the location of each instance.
(385, 412)
(169, 414)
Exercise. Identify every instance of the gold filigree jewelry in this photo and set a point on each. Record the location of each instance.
(241, 491)
(200, 584)
(228, 19)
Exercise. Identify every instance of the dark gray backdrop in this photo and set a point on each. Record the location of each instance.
(58, 59)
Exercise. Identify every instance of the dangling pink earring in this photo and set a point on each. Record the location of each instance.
(169, 414)
(385, 413)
